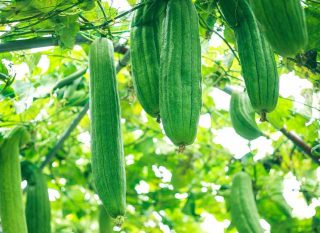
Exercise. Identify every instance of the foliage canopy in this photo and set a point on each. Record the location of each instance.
(166, 190)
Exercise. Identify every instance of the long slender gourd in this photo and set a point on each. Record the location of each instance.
(243, 116)
(12, 212)
(258, 64)
(105, 222)
(244, 212)
(145, 53)
(108, 164)
(284, 24)
(38, 205)
(180, 73)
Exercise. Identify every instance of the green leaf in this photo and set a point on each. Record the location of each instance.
(132, 2)
(283, 111)
(189, 207)
(313, 22)
(271, 203)
(3, 69)
(6, 92)
(66, 29)
(207, 17)
(32, 61)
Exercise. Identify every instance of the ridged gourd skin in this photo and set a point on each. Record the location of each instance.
(38, 212)
(243, 116)
(244, 212)
(258, 64)
(12, 211)
(284, 24)
(108, 164)
(145, 54)
(180, 73)
(105, 222)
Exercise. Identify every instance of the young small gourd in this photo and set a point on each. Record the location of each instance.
(243, 116)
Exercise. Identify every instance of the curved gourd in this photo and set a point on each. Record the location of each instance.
(258, 65)
(243, 116)
(180, 73)
(38, 205)
(108, 165)
(145, 54)
(284, 24)
(244, 212)
(11, 205)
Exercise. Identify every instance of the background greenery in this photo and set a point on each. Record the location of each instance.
(167, 191)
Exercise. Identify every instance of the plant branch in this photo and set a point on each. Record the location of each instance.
(18, 45)
(2, 22)
(35, 43)
(123, 62)
(102, 10)
(300, 143)
(227, 43)
(64, 136)
(48, 16)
